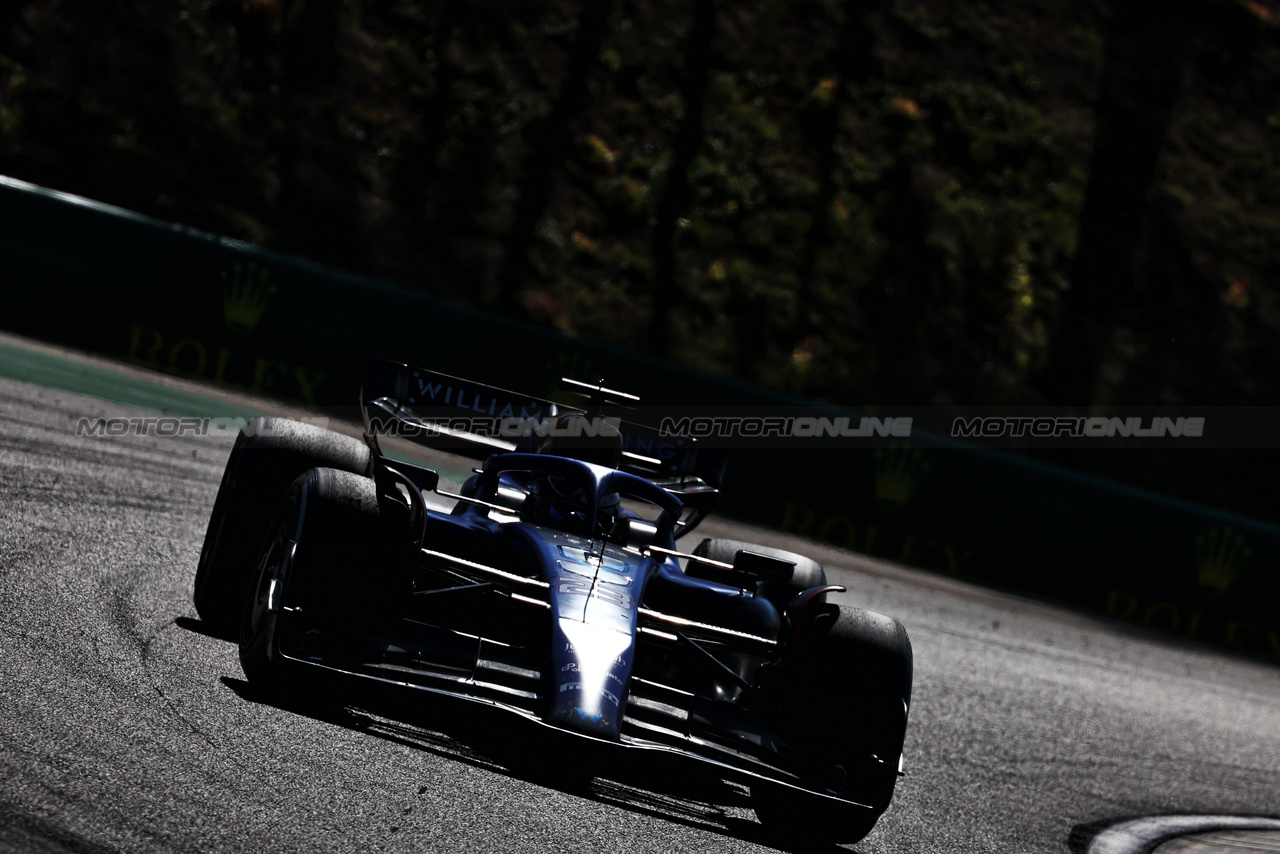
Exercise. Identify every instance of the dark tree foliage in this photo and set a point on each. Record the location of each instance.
(869, 201)
(1148, 45)
(852, 62)
(677, 192)
(547, 142)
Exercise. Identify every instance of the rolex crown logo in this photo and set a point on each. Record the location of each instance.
(1220, 555)
(899, 470)
(246, 289)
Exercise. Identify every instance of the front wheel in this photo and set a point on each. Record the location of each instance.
(332, 565)
(840, 697)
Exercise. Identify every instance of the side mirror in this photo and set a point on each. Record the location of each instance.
(621, 533)
(763, 566)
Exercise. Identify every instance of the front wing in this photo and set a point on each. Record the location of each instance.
(658, 719)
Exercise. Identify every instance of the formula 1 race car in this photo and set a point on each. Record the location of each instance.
(549, 585)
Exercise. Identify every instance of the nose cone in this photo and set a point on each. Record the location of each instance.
(592, 668)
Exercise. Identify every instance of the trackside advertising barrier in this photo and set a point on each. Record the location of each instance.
(210, 308)
(984, 516)
(195, 305)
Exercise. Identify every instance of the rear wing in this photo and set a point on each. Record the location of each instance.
(439, 410)
(468, 417)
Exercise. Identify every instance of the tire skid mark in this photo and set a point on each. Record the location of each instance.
(120, 617)
(176, 712)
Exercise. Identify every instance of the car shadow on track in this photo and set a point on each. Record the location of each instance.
(192, 624)
(501, 743)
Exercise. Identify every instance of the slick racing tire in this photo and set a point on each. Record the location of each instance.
(808, 573)
(269, 454)
(841, 697)
(332, 564)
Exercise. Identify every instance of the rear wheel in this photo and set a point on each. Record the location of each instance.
(332, 564)
(840, 698)
(269, 454)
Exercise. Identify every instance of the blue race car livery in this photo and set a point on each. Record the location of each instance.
(550, 586)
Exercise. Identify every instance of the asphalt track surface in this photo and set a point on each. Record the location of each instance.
(124, 727)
